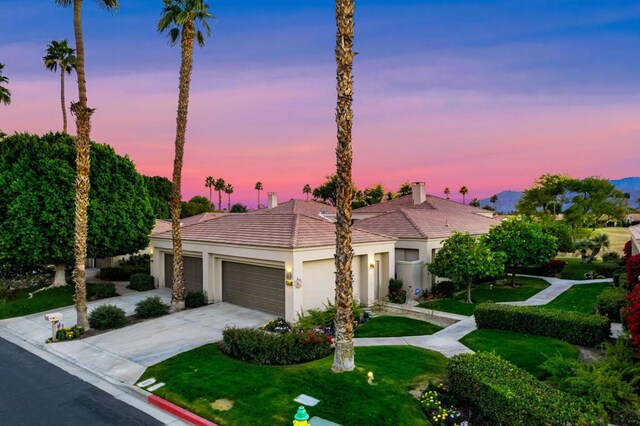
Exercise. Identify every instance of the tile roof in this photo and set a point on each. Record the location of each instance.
(279, 230)
(306, 207)
(431, 203)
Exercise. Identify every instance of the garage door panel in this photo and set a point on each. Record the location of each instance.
(253, 286)
(192, 272)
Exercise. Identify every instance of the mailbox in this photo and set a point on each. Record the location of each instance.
(53, 317)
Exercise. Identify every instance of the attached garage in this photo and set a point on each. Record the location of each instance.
(254, 286)
(192, 272)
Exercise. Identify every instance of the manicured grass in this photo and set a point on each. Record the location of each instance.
(575, 269)
(579, 298)
(617, 238)
(43, 301)
(264, 394)
(390, 326)
(525, 351)
(502, 291)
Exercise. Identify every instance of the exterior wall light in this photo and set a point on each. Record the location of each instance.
(288, 277)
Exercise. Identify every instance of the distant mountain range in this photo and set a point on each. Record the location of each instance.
(507, 200)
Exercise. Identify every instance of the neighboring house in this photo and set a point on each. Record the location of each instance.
(635, 239)
(279, 260)
(421, 222)
(633, 218)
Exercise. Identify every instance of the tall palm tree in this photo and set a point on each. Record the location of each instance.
(447, 192)
(258, 188)
(184, 20)
(59, 54)
(228, 189)
(344, 353)
(83, 160)
(464, 191)
(219, 186)
(306, 190)
(5, 94)
(208, 183)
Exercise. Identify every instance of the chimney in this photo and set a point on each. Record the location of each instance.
(418, 194)
(273, 199)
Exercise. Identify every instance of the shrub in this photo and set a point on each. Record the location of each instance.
(552, 268)
(445, 288)
(633, 270)
(195, 299)
(279, 325)
(121, 273)
(508, 395)
(105, 317)
(138, 260)
(396, 293)
(573, 327)
(142, 282)
(151, 307)
(631, 315)
(8, 294)
(101, 290)
(71, 333)
(323, 319)
(259, 347)
(627, 249)
(606, 269)
(614, 257)
(610, 302)
(620, 278)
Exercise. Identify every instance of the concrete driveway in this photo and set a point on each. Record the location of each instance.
(124, 354)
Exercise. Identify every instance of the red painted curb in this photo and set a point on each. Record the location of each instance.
(180, 412)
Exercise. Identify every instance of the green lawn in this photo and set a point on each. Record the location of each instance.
(525, 351)
(579, 298)
(575, 269)
(44, 301)
(501, 292)
(264, 394)
(390, 326)
(617, 238)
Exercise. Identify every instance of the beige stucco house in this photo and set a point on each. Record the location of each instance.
(279, 260)
(635, 239)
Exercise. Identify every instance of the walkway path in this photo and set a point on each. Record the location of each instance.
(446, 341)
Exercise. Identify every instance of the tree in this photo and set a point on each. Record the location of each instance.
(474, 202)
(306, 189)
(159, 191)
(59, 54)
(208, 183)
(562, 233)
(447, 192)
(37, 175)
(5, 94)
(464, 259)
(328, 190)
(493, 200)
(374, 195)
(185, 20)
(525, 243)
(404, 189)
(195, 206)
(238, 208)
(464, 191)
(389, 196)
(595, 202)
(546, 198)
(344, 354)
(228, 189)
(83, 114)
(258, 188)
(594, 244)
(219, 186)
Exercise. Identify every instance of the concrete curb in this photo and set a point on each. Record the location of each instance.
(180, 412)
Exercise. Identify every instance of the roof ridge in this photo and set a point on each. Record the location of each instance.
(413, 223)
(295, 230)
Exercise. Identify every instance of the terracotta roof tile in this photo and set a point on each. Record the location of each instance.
(307, 207)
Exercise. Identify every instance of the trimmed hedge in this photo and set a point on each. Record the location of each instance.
(610, 302)
(508, 395)
(195, 299)
(142, 282)
(260, 347)
(101, 290)
(122, 273)
(572, 327)
(607, 269)
(105, 317)
(151, 307)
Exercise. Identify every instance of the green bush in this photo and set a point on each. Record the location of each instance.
(610, 302)
(323, 318)
(195, 299)
(260, 347)
(122, 273)
(8, 294)
(508, 395)
(141, 282)
(396, 293)
(620, 278)
(105, 317)
(71, 333)
(607, 269)
(572, 327)
(101, 290)
(151, 307)
(445, 288)
(614, 257)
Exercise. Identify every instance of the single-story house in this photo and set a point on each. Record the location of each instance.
(420, 223)
(279, 260)
(635, 239)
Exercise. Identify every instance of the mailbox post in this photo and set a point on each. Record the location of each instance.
(54, 318)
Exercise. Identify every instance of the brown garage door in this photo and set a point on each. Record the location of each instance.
(252, 286)
(192, 272)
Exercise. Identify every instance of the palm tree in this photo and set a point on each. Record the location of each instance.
(494, 200)
(344, 353)
(219, 186)
(83, 160)
(5, 94)
(306, 189)
(464, 191)
(182, 19)
(228, 189)
(447, 192)
(59, 54)
(258, 188)
(208, 183)
(474, 202)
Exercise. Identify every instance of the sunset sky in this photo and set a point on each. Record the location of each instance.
(487, 94)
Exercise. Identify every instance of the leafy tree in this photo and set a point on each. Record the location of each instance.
(209, 181)
(447, 192)
(328, 190)
(357, 200)
(474, 202)
(562, 233)
(306, 189)
(389, 196)
(374, 195)
(159, 191)
(493, 200)
(464, 191)
(545, 199)
(238, 208)
(83, 159)
(5, 94)
(258, 188)
(596, 202)
(185, 20)
(228, 189)
(37, 176)
(525, 243)
(59, 54)
(404, 189)
(590, 247)
(465, 259)
(219, 186)
(196, 205)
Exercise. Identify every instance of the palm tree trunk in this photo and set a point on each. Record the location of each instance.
(220, 200)
(258, 199)
(344, 353)
(186, 66)
(229, 203)
(62, 103)
(83, 163)
(210, 194)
